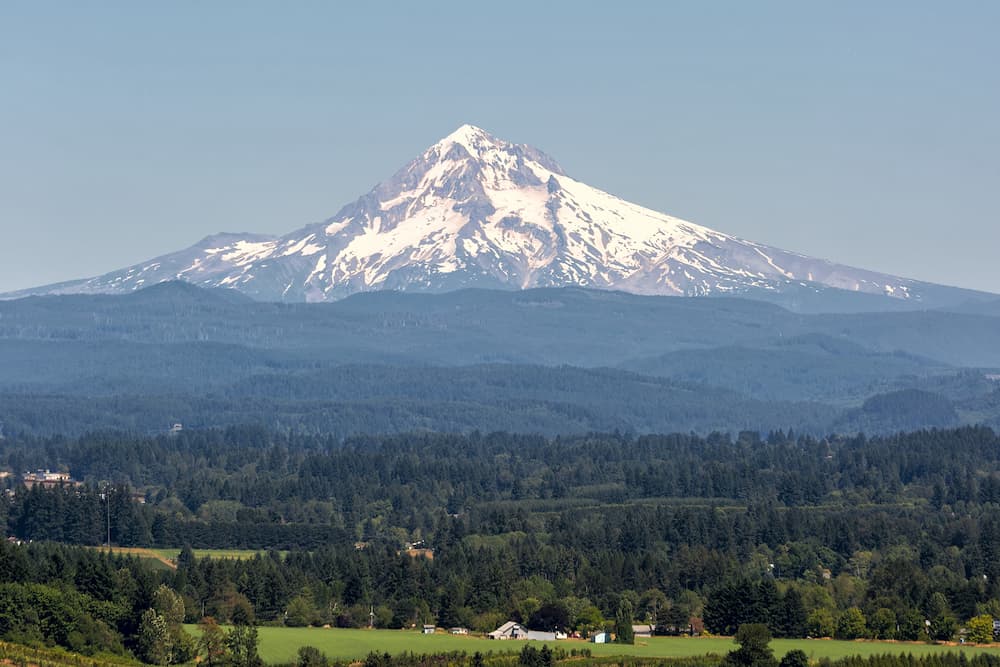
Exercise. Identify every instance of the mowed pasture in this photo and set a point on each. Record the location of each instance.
(167, 558)
(280, 645)
(233, 554)
(157, 560)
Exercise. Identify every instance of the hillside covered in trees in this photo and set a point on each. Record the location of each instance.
(550, 361)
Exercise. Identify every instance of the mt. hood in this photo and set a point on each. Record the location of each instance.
(477, 211)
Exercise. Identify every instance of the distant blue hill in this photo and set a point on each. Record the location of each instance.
(548, 360)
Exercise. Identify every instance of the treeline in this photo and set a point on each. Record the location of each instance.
(907, 609)
(529, 656)
(279, 472)
(89, 514)
(753, 652)
(910, 660)
(249, 487)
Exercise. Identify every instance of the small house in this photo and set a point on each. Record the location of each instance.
(429, 629)
(642, 630)
(46, 479)
(509, 630)
(601, 638)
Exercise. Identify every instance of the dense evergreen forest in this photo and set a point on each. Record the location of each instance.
(847, 537)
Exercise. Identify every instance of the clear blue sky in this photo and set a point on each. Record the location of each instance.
(863, 132)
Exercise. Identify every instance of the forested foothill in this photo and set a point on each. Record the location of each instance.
(851, 537)
(551, 361)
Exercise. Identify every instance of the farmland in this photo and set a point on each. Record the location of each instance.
(236, 554)
(279, 645)
(167, 558)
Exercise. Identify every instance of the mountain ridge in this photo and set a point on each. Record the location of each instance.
(565, 325)
(551, 359)
(477, 211)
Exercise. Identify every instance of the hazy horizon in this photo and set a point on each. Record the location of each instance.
(863, 135)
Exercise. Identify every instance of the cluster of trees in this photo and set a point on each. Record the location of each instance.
(99, 604)
(754, 650)
(77, 598)
(901, 607)
(910, 660)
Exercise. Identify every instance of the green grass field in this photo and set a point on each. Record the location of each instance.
(237, 554)
(279, 645)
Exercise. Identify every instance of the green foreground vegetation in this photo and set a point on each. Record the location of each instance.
(280, 645)
(18, 654)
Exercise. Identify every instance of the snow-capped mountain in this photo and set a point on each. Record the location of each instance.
(474, 210)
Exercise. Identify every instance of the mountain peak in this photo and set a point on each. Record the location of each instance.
(468, 141)
(469, 136)
(474, 210)
(483, 147)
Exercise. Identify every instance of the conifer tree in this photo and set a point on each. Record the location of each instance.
(623, 623)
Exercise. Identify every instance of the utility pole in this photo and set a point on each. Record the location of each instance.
(107, 498)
